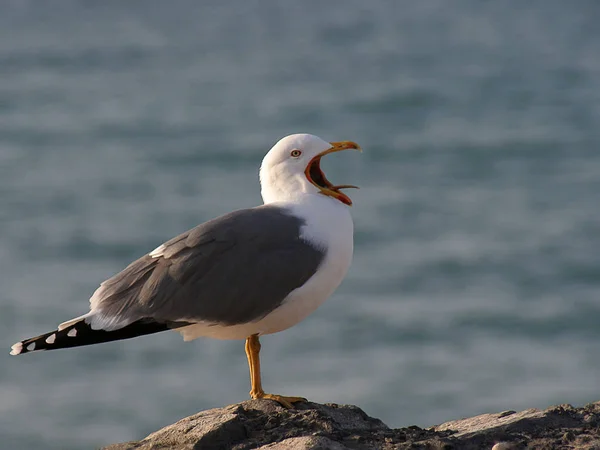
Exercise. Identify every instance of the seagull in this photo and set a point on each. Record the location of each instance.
(242, 275)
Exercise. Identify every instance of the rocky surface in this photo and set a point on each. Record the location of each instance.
(263, 424)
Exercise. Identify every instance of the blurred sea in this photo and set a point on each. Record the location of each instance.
(476, 278)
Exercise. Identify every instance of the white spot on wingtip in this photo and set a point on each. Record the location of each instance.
(72, 333)
(157, 252)
(31, 347)
(16, 349)
(50, 339)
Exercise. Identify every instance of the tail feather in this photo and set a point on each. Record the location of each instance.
(80, 333)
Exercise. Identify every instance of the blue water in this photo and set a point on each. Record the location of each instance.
(476, 279)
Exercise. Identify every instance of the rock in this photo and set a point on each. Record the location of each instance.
(555, 427)
(263, 424)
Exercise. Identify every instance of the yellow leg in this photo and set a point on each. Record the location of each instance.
(256, 391)
(249, 356)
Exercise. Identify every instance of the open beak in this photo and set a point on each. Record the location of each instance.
(315, 175)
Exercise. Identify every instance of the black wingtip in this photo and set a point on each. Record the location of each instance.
(80, 334)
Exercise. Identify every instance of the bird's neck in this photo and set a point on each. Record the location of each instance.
(276, 187)
(278, 196)
(271, 194)
(305, 201)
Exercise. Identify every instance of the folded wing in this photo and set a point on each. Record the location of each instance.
(234, 269)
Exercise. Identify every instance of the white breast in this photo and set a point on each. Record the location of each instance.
(328, 226)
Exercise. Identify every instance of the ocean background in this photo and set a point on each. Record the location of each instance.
(476, 277)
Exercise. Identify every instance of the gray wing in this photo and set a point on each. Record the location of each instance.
(233, 269)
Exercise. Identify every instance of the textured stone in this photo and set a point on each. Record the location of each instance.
(263, 424)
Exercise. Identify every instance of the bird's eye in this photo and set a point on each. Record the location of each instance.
(295, 153)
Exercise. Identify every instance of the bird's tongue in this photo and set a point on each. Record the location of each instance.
(317, 175)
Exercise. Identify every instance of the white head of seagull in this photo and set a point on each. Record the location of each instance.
(292, 168)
